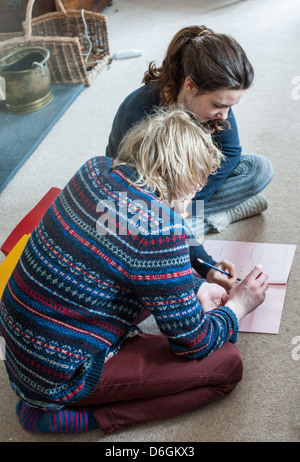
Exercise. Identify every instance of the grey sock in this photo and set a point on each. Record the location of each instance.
(253, 206)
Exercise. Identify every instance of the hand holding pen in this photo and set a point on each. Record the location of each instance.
(223, 274)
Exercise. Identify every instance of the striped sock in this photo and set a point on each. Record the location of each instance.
(66, 420)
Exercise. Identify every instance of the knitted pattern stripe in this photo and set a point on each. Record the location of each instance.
(104, 251)
(77, 420)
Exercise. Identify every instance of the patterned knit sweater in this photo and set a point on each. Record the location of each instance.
(103, 251)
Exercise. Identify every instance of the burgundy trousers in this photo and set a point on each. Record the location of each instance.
(146, 381)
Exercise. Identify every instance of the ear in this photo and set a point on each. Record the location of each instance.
(190, 86)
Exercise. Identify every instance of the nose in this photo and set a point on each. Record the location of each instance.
(223, 113)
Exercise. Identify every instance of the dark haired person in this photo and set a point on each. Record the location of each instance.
(209, 73)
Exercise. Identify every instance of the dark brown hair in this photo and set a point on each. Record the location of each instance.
(213, 61)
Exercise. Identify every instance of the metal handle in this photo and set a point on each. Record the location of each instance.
(44, 62)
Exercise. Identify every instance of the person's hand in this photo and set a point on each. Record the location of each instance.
(211, 296)
(214, 276)
(248, 294)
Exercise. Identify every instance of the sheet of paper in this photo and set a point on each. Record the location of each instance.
(266, 318)
(277, 261)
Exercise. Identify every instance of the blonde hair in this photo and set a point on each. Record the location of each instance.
(171, 153)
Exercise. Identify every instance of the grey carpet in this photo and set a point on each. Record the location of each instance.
(265, 405)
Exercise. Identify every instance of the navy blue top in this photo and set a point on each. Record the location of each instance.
(141, 103)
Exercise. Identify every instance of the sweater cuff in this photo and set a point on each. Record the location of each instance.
(197, 284)
(234, 319)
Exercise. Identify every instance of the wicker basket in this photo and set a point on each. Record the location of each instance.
(9, 35)
(77, 41)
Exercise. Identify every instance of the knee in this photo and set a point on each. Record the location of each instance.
(260, 172)
(233, 367)
(264, 170)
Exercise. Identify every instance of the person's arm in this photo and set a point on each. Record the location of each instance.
(166, 287)
(135, 107)
(121, 124)
(196, 252)
(246, 296)
(211, 275)
(228, 142)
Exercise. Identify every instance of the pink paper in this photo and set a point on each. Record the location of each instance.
(276, 260)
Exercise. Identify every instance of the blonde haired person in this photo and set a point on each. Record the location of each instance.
(172, 154)
(95, 266)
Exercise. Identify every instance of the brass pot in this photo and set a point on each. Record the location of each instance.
(27, 79)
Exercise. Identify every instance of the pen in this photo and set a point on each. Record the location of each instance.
(214, 267)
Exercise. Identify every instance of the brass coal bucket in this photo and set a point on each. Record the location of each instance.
(27, 79)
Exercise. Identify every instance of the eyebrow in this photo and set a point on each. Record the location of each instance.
(221, 105)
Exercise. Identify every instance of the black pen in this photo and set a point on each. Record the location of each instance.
(215, 268)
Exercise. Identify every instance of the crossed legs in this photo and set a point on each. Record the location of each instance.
(146, 381)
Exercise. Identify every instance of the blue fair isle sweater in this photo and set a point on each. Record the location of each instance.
(103, 251)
